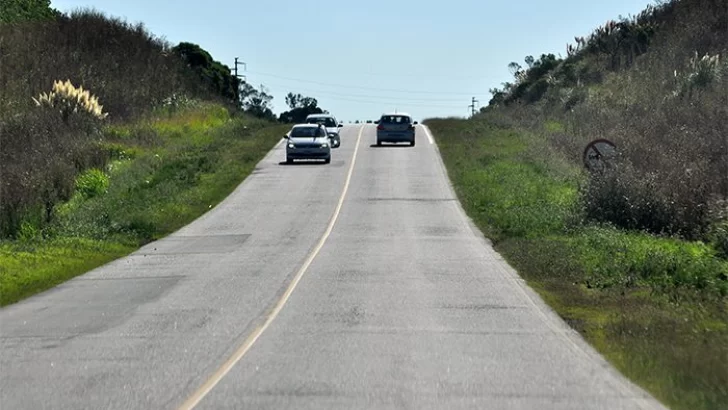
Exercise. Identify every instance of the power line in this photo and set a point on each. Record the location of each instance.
(404, 104)
(392, 102)
(474, 77)
(378, 97)
(358, 87)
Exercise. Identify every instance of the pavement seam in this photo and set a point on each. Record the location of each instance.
(250, 340)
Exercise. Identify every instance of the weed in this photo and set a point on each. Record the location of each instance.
(92, 183)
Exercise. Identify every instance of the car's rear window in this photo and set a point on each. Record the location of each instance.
(326, 121)
(395, 119)
(304, 132)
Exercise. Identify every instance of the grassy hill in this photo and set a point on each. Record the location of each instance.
(635, 257)
(111, 138)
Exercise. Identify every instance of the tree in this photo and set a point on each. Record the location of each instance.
(498, 97)
(300, 108)
(514, 68)
(193, 54)
(257, 102)
(14, 11)
(299, 101)
(214, 74)
(529, 61)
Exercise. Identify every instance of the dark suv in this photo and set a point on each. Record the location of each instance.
(396, 127)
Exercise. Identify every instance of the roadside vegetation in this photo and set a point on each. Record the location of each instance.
(111, 138)
(634, 257)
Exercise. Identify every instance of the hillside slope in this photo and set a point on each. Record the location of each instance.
(111, 138)
(634, 257)
(656, 85)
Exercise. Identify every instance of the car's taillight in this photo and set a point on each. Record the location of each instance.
(380, 127)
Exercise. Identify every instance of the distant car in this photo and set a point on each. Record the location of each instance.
(328, 121)
(369, 121)
(396, 127)
(308, 141)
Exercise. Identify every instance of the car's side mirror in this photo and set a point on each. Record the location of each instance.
(285, 136)
(416, 123)
(340, 125)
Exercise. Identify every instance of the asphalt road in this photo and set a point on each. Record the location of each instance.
(268, 301)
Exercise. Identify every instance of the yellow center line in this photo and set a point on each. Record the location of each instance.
(201, 392)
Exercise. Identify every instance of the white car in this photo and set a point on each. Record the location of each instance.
(328, 121)
(308, 141)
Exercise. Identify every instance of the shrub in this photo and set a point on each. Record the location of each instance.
(68, 99)
(92, 183)
(37, 164)
(636, 199)
(719, 231)
(536, 90)
(28, 231)
(720, 238)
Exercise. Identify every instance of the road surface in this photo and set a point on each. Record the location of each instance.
(358, 284)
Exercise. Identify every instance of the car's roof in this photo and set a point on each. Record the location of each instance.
(403, 114)
(307, 126)
(319, 116)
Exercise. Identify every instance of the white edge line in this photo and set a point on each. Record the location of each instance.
(428, 133)
(218, 375)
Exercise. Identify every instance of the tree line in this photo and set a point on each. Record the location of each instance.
(255, 101)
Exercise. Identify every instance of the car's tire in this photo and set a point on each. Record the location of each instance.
(379, 143)
(412, 143)
(289, 160)
(327, 160)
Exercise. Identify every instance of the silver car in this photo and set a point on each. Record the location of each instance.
(396, 127)
(308, 141)
(328, 121)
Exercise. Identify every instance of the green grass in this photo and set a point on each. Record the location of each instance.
(656, 307)
(165, 172)
(29, 268)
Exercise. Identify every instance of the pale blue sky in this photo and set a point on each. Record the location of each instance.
(360, 59)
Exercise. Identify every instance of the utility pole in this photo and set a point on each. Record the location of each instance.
(237, 89)
(472, 106)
